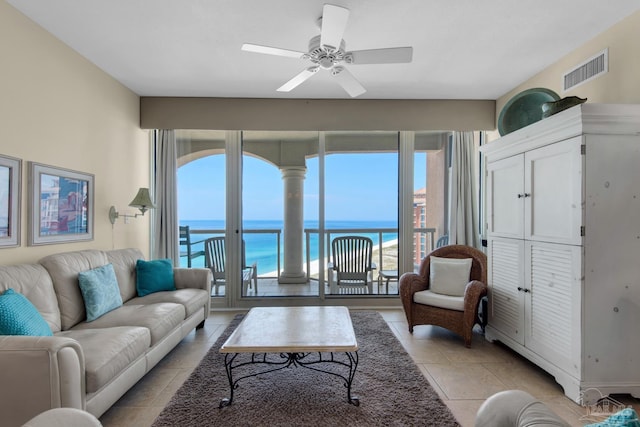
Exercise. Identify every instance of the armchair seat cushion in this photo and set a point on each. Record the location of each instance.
(449, 302)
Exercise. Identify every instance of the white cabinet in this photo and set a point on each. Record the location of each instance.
(563, 231)
(537, 195)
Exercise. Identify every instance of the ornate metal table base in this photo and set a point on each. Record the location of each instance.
(276, 362)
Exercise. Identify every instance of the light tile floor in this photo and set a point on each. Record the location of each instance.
(462, 377)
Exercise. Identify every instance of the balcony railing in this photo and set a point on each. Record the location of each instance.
(380, 232)
(427, 233)
(220, 232)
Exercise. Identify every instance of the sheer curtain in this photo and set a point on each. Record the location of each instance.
(463, 209)
(165, 224)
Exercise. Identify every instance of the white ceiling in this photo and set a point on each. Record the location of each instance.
(463, 49)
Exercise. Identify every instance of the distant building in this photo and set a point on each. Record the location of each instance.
(429, 208)
(420, 246)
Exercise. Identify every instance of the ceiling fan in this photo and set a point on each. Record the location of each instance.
(327, 51)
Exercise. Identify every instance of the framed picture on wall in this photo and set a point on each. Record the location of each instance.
(60, 205)
(10, 176)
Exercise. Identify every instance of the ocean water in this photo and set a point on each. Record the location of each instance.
(262, 248)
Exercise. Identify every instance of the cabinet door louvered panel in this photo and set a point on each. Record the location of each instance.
(553, 303)
(506, 312)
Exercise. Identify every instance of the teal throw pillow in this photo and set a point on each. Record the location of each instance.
(154, 276)
(100, 291)
(18, 316)
(624, 418)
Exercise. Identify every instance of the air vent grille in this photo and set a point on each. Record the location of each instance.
(588, 70)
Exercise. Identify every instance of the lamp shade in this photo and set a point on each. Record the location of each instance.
(142, 200)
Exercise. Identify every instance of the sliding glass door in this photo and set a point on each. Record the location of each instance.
(201, 180)
(279, 206)
(279, 200)
(361, 199)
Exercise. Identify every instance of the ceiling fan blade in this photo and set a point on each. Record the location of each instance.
(334, 22)
(272, 50)
(392, 55)
(298, 79)
(348, 82)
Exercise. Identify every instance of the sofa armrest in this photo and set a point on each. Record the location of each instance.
(198, 278)
(39, 373)
(64, 417)
(516, 408)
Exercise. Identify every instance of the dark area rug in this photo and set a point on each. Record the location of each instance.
(391, 389)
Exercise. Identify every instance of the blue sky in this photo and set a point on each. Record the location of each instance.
(358, 187)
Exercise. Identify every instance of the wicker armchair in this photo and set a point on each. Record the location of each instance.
(460, 322)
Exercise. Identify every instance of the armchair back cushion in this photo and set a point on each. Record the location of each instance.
(478, 261)
(449, 276)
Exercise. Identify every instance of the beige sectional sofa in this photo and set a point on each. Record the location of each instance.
(90, 365)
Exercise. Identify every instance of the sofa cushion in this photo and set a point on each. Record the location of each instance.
(154, 276)
(19, 317)
(100, 291)
(124, 264)
(160, 319)
(193, 300)
(64, 269)
(107, 351)
(33, 281)
(427, 297)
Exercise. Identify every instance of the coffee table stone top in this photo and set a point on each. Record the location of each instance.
(293, 329)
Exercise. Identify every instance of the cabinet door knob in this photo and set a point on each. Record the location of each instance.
(527, 195)
(520, 196)
(520, 289)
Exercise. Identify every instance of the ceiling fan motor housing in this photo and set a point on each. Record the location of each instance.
(325, 56)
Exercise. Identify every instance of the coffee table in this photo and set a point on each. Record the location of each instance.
(281, 337)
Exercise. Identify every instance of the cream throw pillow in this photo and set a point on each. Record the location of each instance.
(449, 276)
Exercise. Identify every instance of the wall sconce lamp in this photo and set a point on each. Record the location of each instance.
(142, 201)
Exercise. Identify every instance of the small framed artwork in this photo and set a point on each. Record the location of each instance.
(10, 176)
(60, 205)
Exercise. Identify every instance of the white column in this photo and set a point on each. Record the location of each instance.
(293, 177)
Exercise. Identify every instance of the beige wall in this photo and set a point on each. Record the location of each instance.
(58, 109)
(621, 85)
